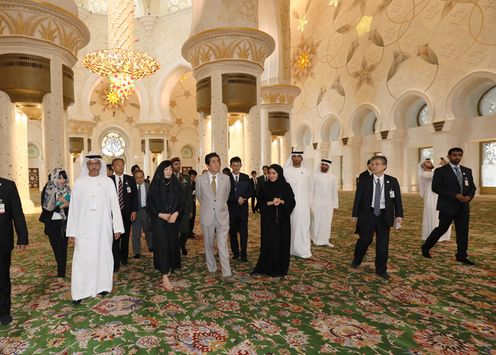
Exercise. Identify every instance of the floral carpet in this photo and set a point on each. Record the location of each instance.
(435, 306)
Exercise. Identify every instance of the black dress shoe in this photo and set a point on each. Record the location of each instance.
(137, 256)
(384, 275)
(425, 253)
(354, 265)
(184, 251)
(104, 293)
(5, 319)
(465, 261)
(76, 302)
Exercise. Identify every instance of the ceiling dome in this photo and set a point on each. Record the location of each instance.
(68, 5)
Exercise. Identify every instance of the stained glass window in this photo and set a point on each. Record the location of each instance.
(423, 116)
(487, 103)
(425, 153)
(113, 145)
(488, 164)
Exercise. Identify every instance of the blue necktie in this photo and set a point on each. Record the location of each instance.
(459, 176)
(377, 198)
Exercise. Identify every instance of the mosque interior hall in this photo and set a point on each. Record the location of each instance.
(340, 80)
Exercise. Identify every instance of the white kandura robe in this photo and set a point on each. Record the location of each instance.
(430, 219)
(325, 200)
(301, 182)
(94, 216)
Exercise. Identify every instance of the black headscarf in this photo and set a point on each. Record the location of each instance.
(278, 187)
(165, 194)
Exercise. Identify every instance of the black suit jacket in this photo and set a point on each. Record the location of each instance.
(363, 200)
(131, 202)
(445, 184)
(254, 187)
(240, 189)
(9, 197)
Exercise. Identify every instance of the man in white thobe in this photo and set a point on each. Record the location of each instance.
(325, 200)
(300, 179)
(94, 220)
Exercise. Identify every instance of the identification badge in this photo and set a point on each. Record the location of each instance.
(2, 208)
(391, 193)
(466, 182)
(128, 189)
(93, 204)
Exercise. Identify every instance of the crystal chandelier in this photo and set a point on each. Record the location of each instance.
(121, 64)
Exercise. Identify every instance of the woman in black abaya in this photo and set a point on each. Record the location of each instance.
(164, 207)
(276, 202)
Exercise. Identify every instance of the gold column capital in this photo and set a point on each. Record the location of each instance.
(280, 94)
(228, 44)
(80, 127)
(153, 129)
(45, 22)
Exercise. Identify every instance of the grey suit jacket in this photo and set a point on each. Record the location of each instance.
(213, 208)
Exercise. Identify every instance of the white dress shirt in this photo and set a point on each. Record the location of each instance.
(142, 194)
(383, 200)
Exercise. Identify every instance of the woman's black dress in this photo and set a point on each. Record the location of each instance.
(165, 196)
(275, 228)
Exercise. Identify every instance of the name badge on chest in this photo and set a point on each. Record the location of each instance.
(2, 207)
(93, 203)
(128, 189)
(466, 182)
(391, 193)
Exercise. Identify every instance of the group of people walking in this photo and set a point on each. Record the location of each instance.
(295, 205)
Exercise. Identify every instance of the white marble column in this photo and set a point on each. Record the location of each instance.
(54, 121)
(352, 168)
(253, 136)
(20, 170)
(147, 159)
(7, 136)
(265, 138)
(219, 125)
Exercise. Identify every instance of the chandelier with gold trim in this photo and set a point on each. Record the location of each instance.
(120, 63)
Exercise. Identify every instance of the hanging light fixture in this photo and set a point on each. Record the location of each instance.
(121, 64)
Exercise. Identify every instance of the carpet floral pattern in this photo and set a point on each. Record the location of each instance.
(432, 306)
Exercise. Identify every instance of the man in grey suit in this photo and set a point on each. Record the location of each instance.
(212, 191)
(141, 222)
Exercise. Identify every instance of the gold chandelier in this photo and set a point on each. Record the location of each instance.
(121, 64)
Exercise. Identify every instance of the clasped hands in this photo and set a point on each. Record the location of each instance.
(169, 217)
(462, 198)
(241, 200)
(277, 201)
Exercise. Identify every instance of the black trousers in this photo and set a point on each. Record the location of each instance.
(120, 247)
(254, 203)
(238, 223)
(192, 219)
(461, 219)
(380, 226)
(5, 288)
(58, 241)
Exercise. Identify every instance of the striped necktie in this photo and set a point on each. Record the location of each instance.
(459, 176)
(121, 194)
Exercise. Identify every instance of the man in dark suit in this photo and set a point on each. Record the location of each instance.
(377, 207)
(237, 203)
(261, 179)
(141, 222)
(10, 211)
(455, 187)
(366, 173)
(254, 183)
(184, 225)
(192, 179)
(128, 202)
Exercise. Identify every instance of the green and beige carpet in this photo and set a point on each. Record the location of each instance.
(435, 306)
